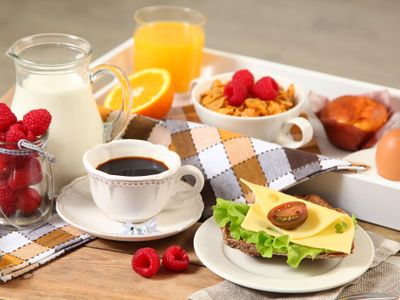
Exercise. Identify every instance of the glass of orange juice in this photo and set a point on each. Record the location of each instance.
(170, 37)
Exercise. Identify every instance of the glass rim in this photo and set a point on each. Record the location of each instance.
(184, 9)
(15, 53)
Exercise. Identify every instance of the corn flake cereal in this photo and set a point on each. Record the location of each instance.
(215, 100)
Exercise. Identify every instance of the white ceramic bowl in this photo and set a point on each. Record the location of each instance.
(273, 128)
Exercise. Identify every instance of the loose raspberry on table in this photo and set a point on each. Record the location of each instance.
(28, 201)
(7, 200)
(7, 118)
(175, 259)
(244, 76)
(2, 136)
(28, 172)
(266, 89)
(146, 262)
(236, 92)
(37, 121)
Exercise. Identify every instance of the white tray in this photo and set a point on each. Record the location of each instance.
(371, 199)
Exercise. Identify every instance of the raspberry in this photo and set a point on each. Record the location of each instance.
(31, 137)
(16, 132)
(175, 259)
(7, 163)
(2, 136)
(244, 76)
(146, 262)
(22, 160)
(28, 172)
(7, 200)
(37, 121)
(236, 92)
(7, 118)
(266, 88)
(28, 201)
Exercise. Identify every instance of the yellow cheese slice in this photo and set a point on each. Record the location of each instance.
(256, 221)
(318, 217)
(317, 231)
(330, 239)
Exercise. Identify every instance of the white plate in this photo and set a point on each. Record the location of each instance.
(274, 274)
(76, 207)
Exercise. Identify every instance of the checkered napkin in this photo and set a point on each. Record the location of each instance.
(225, 157)
(23, 251)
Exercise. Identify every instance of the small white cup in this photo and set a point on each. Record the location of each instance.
(137, 198)
(273, 128)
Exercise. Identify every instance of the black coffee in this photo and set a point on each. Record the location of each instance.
(132, 166)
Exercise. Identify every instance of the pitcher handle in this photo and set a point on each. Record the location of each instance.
(126, 104)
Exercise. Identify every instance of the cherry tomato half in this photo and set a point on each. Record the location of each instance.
(289, 215)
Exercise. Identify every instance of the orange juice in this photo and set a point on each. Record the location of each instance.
(175, 46)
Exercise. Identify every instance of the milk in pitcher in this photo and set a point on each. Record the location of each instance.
(76, 124)
(53, 72)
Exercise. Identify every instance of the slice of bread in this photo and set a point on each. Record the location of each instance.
(251, 250)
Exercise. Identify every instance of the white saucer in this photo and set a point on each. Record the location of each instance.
(76, 207)
(274, 274)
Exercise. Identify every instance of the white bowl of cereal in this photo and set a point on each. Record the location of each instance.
(268, 120)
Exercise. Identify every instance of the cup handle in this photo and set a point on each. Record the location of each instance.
(193, 190)
(286, 139)
(126, 105)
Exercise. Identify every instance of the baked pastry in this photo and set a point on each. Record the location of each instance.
(350, 121)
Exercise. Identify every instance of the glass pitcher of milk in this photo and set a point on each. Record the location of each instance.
(53, 73)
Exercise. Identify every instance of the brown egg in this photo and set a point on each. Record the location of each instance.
(388, 155)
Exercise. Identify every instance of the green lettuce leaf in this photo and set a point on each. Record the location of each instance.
(232, 213)
(353, 218)
(296, 253)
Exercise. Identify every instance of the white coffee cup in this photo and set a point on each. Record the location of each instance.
(137, 198)
(273, 128)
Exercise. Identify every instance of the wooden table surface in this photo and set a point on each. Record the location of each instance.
(102, 270)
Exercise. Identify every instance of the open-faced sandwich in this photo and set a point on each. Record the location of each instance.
(280, 224)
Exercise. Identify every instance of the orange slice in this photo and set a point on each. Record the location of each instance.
(152, 93)
(104, 112)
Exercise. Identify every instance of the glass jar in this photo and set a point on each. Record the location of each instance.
(26, 184)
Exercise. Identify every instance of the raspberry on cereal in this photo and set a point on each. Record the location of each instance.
(236, 92)
(7, 118)
(175, 259)
(244, 76)
(146, 262)
(266, 88)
